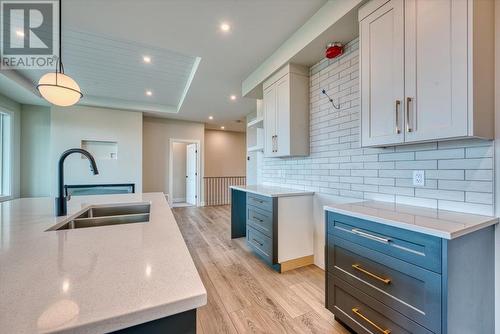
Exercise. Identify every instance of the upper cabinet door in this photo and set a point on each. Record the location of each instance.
(436, 69)
(382, 75)
(270, 105)
(283, 135)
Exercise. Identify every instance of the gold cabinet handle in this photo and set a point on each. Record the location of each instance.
(355, 310)
(408, 102)
(398, 105)
(372, 275)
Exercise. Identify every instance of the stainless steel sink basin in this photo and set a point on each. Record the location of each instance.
(103, 215)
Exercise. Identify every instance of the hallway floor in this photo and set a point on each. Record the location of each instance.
(244, 295)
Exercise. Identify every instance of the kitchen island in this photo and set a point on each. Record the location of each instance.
(98, 279)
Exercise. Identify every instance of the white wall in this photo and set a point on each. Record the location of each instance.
(69, 126)
(14, 109)
(35, 150)
(156, 149)
(179, 172)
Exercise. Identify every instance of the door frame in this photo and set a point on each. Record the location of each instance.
(171, 168)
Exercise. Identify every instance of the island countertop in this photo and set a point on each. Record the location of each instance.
(272, 191)
(440, 223)
(92, 280)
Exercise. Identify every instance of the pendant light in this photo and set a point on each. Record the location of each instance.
(57, 87)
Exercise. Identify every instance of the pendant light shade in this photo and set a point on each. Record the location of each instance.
(59, 89)
(56, 87)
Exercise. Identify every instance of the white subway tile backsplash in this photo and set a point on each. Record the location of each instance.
(457, 153)
(458, 173)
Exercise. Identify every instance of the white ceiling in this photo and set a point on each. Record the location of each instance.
(104, 41)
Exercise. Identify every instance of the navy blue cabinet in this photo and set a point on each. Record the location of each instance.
(382, 279)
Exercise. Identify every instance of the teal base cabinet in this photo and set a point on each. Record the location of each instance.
(383, 279)
(238, 216)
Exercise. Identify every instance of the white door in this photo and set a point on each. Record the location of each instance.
(382, 75)
(282, 138)
(436, 69)
(191, 174)
(270, 121)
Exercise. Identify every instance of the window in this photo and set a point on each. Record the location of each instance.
(5, 156)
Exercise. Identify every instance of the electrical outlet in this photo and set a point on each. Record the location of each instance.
(418, 178)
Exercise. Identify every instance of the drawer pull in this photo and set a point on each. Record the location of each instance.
(370, 236)
(364, 271)
(257, 241)
(257, 219)
(355, 310)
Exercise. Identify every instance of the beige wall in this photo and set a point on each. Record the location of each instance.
(157, 133)
(497, 164)
(225, 153)
(179, 172)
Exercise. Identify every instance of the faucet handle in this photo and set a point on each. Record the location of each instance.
(68, 197)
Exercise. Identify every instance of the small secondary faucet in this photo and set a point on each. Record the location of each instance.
(62, 200)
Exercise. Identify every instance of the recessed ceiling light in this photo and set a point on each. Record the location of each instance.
(210, 117)
(225, 27)
(222, 128)
(146, 59)
(20, 33)
(233, 97)
(149, 93)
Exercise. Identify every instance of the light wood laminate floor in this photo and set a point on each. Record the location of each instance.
(245, 295)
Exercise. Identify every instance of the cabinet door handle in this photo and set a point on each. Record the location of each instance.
(370, 236)
(276, 140)
(257, 241)
(398, 105)
(409, 101)
(355, 310)
(372, 275)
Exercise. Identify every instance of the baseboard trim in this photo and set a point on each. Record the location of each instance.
(297, 263)
(179, 200)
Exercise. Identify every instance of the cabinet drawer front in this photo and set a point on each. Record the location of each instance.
(365, 314)
(413, 291)
(261, 220)
(262, 202)
(417, 248)
(260, 244)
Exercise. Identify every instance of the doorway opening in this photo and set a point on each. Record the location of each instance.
(184, 173)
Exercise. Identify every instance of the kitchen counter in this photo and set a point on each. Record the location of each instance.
(92, 280)
(272, 191)
(440, 223)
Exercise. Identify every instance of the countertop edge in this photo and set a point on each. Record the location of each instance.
(410, 227)
(299, 193)
(128, 320)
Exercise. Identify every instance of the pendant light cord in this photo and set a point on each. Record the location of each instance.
(61, 66)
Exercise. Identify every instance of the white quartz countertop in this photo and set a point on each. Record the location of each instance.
(272, 191)
(92, 280)
(439, 223)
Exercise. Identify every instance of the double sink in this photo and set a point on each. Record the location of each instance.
(103, 215)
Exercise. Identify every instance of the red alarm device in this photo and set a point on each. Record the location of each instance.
(334, 50)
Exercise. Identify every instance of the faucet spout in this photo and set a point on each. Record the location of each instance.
(61, 200)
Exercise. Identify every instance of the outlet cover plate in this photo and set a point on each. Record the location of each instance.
(419, 178)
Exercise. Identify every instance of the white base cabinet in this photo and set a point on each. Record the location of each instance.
(426, 70)
(286, 112)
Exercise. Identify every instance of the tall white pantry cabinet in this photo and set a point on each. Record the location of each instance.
(426, 70)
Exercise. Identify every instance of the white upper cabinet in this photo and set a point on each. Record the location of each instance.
(286, 112)
(426, 70)
(382, 74)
